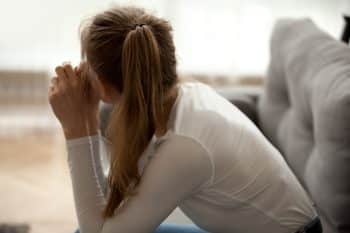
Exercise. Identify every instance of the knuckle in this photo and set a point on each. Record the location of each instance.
(54, 80)
(67, 66)
(52, 91)
(58, 68)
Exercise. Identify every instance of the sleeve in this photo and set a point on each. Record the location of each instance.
(179, 168)
(88, 179)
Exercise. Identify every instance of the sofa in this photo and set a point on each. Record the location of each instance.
(304, 110)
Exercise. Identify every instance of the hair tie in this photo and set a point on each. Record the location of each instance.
(139, 25)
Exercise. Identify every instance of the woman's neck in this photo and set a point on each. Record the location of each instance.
(169, 102)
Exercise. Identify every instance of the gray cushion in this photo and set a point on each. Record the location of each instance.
(305, 112)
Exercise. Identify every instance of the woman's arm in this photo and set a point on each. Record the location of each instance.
(179, 168)
(74, 98)
(100, 158)
(88, 181)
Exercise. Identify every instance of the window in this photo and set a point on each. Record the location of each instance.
(212, 37)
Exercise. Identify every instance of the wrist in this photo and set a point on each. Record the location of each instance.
(78, 131)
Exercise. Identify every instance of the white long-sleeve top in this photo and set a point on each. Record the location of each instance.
(212, 162)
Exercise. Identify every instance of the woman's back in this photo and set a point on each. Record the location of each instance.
(250, 187)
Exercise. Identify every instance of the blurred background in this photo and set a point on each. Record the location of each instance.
(223, 43)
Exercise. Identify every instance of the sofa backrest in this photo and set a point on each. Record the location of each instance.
(305, 112)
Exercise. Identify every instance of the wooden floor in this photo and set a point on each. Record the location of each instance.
(34, 184)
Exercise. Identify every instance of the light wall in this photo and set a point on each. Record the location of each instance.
(211, 36)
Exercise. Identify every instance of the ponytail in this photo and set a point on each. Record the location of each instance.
(133, 120)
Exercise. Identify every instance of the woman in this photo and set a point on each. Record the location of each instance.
(172, 144)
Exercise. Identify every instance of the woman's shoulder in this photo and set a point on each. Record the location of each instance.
(174, 141)
(183, 152)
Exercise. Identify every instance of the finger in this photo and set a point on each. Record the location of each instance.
(69, 71)
(77, 71)
(82, 66)
(78, 67)
(60, 72)
(65, 63)
(84, 73)
(54, 81)
(52, 90)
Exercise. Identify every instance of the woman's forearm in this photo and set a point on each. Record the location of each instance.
(86, 175)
